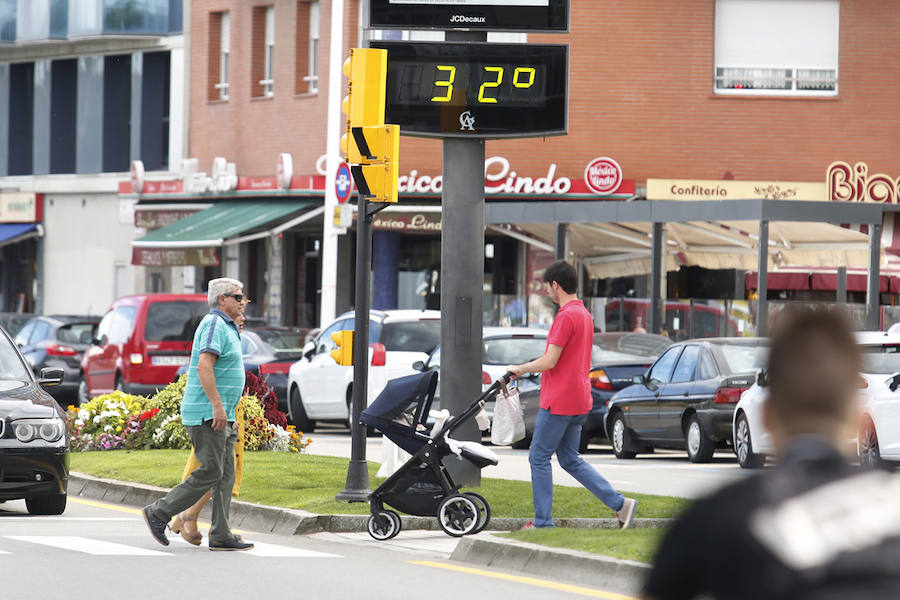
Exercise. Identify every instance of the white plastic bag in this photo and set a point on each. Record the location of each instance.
(509, 425)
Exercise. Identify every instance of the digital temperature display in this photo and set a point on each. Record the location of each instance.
(477, 90)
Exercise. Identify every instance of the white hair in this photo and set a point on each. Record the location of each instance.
(222, 285)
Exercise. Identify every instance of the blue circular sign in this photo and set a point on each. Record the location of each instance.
(343, 182)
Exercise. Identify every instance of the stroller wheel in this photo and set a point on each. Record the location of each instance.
(383, 525)
(484, 511)
(459, 515)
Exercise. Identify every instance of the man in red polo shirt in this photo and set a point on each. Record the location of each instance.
(565, 402)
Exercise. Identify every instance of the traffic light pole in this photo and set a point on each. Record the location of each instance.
(357, 487)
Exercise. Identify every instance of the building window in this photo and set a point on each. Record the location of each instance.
(262, 51)
(155, 90)
(63, 115)
(219, 53)
(117, 113)
(307, 47)
(777, 47)
(21, 119)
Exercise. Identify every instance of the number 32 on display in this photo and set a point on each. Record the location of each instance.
(523, 77)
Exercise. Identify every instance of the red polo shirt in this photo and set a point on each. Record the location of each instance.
(566, 388)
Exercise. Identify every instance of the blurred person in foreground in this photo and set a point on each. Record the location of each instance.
(811, 527)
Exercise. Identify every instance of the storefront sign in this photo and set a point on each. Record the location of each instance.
(603, 175)
(408, 222)
(158, 257)
(154, 219)
(704, 189)
(18, 207)
(846, 184)
(285, 170)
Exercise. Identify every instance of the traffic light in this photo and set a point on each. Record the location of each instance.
(368, 141)
(343, 354)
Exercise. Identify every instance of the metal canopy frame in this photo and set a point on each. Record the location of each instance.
(694, 213)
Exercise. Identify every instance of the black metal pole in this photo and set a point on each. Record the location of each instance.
(357, 487)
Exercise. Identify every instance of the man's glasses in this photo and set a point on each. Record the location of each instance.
(238, 297)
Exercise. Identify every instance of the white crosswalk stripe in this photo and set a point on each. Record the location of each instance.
(86, 545)
(105, 548)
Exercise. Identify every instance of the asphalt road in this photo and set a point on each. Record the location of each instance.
(666, 473)
(98, 550)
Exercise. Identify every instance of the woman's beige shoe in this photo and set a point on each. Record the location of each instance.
(179, 525)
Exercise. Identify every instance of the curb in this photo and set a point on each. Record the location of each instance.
(572, 566)
(288, 521)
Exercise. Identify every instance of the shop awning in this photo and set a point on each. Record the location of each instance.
(225, 223)
(11, 233)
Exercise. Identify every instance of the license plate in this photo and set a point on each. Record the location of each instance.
(169, 361)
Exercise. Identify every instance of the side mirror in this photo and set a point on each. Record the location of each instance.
(762, 379)
(308, 350)
(894, 382)
(419, 366)
(98, 341)
(652, 384)
(638, 379)
(51, 376)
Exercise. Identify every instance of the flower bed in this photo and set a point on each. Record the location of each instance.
(120, 420)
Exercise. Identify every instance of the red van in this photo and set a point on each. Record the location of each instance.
(140, 344)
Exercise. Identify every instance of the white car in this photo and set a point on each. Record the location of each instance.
(319, 389)
(879, 434)
(502, 346)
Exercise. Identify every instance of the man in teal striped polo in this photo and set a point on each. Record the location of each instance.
(214, 386)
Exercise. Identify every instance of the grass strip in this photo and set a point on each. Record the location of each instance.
(632, 544)
(310, 483)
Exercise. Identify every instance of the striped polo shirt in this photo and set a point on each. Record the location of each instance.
(217, 334)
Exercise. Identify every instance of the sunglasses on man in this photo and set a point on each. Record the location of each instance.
(238, 297)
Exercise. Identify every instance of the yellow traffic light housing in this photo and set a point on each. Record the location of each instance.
(343, 354)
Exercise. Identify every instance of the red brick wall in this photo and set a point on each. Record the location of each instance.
(641, 91)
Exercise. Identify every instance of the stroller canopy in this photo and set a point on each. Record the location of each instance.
(402, 395)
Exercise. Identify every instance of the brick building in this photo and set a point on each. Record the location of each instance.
(709, 91)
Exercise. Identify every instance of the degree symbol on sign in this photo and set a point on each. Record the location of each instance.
(343, 184)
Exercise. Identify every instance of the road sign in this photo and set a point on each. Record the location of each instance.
(343, 182)
(495, 15)
(477, 90)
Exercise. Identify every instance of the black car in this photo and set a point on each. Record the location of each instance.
(686, 399)
(34, 439)
(269, 352)
(615, 359)
(58, 341)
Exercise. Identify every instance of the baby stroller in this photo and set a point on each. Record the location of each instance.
(422, 486)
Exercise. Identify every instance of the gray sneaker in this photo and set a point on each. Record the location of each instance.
(157, 526)
(626, 513)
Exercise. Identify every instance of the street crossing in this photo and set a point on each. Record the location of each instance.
(103, 547)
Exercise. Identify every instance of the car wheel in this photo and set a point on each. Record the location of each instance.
(869, 450)
(699, 447)
(297, 413)
(84, 394)
(621, 438)
(523, 444)
(743, 445)
(46, 505)
(584, 441)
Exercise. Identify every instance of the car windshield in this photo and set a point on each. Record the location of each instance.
(646, 345)
(174, 321)
(881, 359)
(280, 340)
(76, 333)
(411, 336)
(743, 358)
(11, 365)
(513, 350)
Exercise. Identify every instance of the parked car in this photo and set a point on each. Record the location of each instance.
(58, 341)
(34, 440)
(140, 343)
(681, 319)
(686, 399)
(502, 346)
(878, 440)
(13, 322)
(320, 390)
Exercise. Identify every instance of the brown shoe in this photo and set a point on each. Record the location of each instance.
(180, 525)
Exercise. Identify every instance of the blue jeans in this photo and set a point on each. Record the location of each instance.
(561, 434)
